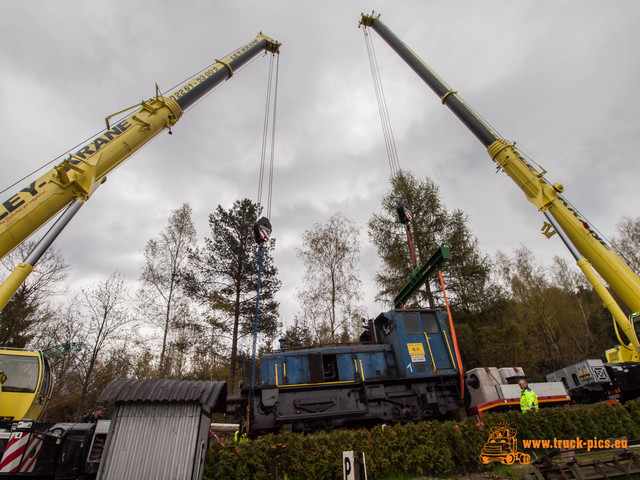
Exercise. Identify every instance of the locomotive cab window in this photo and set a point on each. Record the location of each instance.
(384, 323)
(322, 368)
(411, 324)
(329, 368)
(430, 322)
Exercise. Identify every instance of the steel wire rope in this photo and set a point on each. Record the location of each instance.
(392, 152)
(387, 131)
(265, 136)
(377, 83)
(273, 137)
(390, 144)
(265, 130)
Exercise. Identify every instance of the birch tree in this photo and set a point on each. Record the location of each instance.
(331, 287)
(162, 299)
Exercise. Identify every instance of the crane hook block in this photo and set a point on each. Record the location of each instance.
(262, 231)
(404, 212)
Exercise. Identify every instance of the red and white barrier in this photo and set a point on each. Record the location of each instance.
(31, 453)
(21, 452)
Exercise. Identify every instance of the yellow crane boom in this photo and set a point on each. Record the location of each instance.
(83, 171)
(589, 249)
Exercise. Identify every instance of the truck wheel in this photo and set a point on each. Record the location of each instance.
(484, 460)
(509, 459)
(524, 458)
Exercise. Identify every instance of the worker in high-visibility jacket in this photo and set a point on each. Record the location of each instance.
(241, 434)
(240, 437)
(528, 398)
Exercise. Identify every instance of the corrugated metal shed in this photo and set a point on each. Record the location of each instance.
(212, 396)
(159, 429)
(156, 441)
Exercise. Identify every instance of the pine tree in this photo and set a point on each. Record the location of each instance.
(225, 274)
(467, 274)
(388, 235)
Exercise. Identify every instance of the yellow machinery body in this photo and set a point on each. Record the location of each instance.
(27, 384)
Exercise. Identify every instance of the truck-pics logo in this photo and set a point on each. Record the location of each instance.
(502, 447)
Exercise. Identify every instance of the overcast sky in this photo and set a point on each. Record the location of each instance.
(560, 78)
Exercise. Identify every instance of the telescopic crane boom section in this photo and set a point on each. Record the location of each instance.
(83, 171)
(544, 195)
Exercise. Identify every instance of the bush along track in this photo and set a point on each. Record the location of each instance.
(434, 449)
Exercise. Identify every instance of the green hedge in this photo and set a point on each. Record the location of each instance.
(426, 448)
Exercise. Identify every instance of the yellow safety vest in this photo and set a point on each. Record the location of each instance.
(528, 400)
(240, 438)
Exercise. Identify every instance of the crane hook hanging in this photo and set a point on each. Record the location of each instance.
(262, 231)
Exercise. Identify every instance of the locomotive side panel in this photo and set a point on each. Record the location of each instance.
(357, 404)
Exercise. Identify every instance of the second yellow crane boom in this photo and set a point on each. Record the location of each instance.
(586, 245)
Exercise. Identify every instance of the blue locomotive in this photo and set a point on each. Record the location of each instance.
(404, 369)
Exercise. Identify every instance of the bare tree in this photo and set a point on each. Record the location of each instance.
(560, 319)
(530, 287)
(24, 318)
(164, 259)
(627, 241)
(106, 318)
(210, 360)
(331, 286)
(66, 332)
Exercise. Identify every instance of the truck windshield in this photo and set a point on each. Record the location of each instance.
(21, 371)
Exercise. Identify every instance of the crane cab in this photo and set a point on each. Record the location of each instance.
(26, 384)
